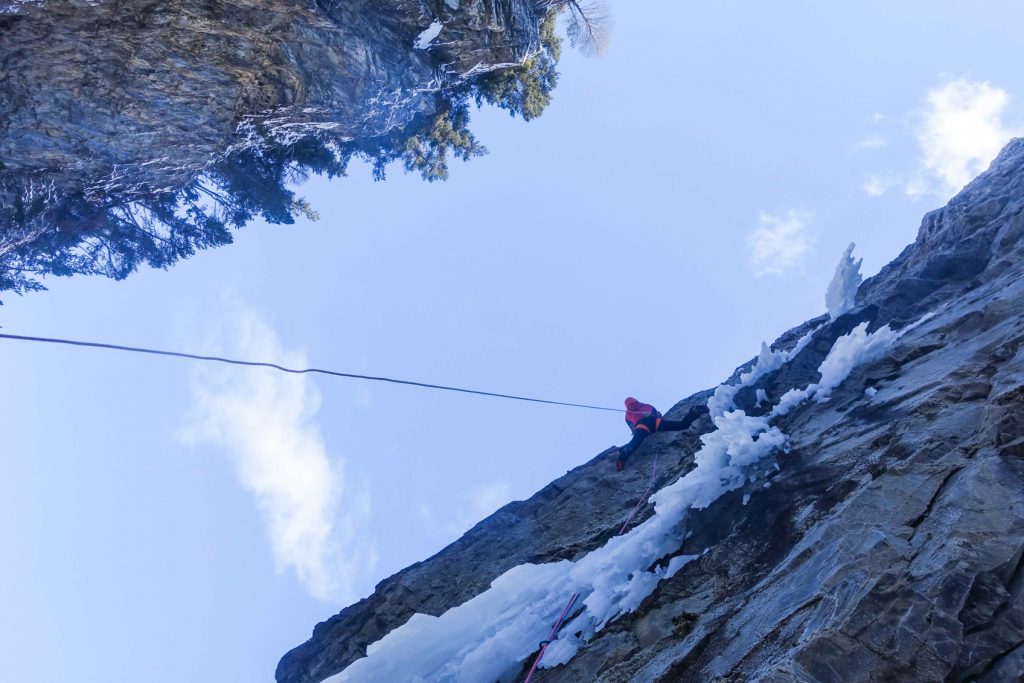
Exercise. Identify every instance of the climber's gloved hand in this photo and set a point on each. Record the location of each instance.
(620, 460)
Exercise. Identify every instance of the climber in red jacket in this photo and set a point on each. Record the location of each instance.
(644, 420)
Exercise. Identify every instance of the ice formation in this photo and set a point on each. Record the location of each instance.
(839, 297)
(488, 637)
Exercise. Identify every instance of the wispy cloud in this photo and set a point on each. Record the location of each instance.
(960, 132)
(779, 242)
(870, 142)
(266, 423)
(877, 184)
(960, 128)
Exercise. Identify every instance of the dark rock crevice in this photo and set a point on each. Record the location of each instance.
(939, 491)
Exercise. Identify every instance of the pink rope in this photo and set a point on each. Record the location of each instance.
(551, 636)
(643, 498)
(572, 599)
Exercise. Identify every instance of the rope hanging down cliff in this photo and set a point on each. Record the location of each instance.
(300, 371)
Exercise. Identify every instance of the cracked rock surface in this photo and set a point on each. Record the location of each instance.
(142, 94)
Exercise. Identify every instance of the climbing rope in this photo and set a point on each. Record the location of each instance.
(643, 498)
(300, 371)
(572, 600)
(551, 636)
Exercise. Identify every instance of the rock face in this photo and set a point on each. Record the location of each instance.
(140, 131)
(109, 96)
(888, 547)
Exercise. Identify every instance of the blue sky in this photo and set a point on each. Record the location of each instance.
(684, 197)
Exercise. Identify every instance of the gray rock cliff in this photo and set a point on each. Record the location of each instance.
(108, 95)
(889, 544)
(140, 131)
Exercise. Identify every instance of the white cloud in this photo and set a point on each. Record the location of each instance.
(878, 117)
(779, 242)
(877, 184)
(871, 142)
(266, 422)
(961, 131)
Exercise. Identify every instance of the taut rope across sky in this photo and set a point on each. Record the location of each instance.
(299, 371)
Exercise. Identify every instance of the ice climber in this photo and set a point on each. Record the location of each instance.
(644, 420)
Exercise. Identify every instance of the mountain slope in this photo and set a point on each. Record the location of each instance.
(882, 541)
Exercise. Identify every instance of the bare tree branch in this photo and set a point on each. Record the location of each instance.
(589, 24)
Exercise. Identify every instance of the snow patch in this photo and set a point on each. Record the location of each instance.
(475, 641)
(768, 361)
(849, 351)
(424, 39)
(488, 637)
(14, 6)
(677, 563)
(792, 398)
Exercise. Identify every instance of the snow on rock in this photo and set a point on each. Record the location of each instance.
(767, 361)
(424, 39)
(14, 6)
(476, 641)
(677, 563)
(723, 398)
(488, 637)
(839, 296)
(792, 398)
(849, 351)
(613, 578)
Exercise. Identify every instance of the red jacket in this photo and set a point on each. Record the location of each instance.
(637, 411)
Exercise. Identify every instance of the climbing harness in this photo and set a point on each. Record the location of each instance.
(657, 425)
(643, 498)
(551, 636)
(275, 366)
